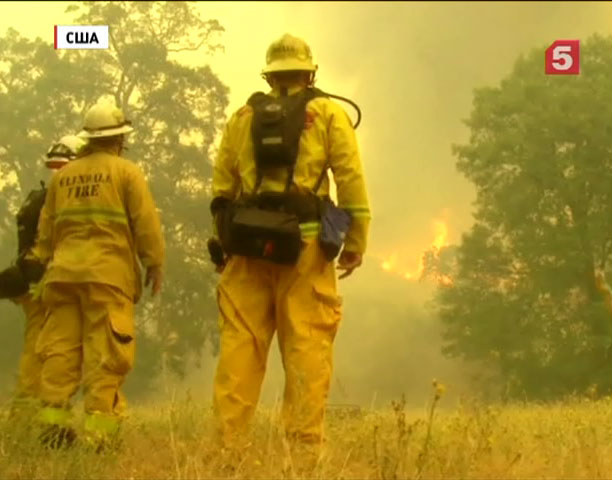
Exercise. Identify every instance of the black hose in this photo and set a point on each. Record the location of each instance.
(351, 103)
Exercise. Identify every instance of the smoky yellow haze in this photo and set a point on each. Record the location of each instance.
(411, 66)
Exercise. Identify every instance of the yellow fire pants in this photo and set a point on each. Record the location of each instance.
(30, 363)
(88, 333)
(256, 299)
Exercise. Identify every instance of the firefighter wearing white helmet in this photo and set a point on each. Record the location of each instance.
(65, 149)
(20, 281)
(105, 120)
(99, 220)
(289, 53)
(290, 291)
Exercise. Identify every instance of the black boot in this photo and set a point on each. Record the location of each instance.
(108, 445)
(56, 437)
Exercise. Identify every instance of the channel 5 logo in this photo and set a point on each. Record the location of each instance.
(563, 58)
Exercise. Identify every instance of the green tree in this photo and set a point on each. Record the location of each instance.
(35, 84)
(176, 109)
(440, 264)
(523, 296)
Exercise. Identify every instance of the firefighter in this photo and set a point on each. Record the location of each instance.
(280, 232)
(99, 219)
(21, 277)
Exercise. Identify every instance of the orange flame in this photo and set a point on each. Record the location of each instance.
(391, 263)
(441, 237)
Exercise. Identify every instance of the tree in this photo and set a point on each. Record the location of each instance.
(523, 296)
(176, 111)
(440, 264)
(36, 109)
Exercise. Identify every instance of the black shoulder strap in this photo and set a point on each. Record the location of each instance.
(322, 176)
(321, 93)
(309, 94)
(258, 180)
(256, 98)
(253, 101)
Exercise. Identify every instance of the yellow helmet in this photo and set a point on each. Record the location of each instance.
(105, 120)
(64, 150)
(289, 53)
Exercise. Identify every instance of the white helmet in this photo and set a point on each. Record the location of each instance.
(289, 53)
(105, 120)
(66, 149)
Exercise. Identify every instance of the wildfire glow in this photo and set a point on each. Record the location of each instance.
(441, 235)
(412, 270)
(389, 264)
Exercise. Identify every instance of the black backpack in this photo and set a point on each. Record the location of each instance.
(277, 125)
(27, 220)
(246, 227)
(15, 280)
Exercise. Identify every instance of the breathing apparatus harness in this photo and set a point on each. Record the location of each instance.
(267, 225)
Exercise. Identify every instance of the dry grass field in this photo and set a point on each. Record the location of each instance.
(471, 441)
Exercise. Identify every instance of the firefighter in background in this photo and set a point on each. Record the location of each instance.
(279, 232)
(99, 217)
(19, 282)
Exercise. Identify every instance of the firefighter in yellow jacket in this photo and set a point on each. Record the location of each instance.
(28, 379)
(99, 216)
(264, 179)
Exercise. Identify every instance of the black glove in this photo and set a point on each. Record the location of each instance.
(217, 256)
(32, 270)
(12, 283)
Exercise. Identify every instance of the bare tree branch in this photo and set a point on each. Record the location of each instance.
(188, 49)
(119, 89)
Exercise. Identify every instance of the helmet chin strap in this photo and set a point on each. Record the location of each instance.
(121, 144)
(311, 80)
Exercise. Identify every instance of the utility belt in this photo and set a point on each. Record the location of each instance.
(306, 207)
(267, 226)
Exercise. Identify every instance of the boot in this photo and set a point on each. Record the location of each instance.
(56, 437)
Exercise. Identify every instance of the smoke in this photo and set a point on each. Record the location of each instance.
(412, 68)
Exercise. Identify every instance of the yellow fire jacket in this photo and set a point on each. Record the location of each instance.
(328, 140)
(99, 215)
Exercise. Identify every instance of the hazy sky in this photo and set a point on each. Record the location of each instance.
(412, 68)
